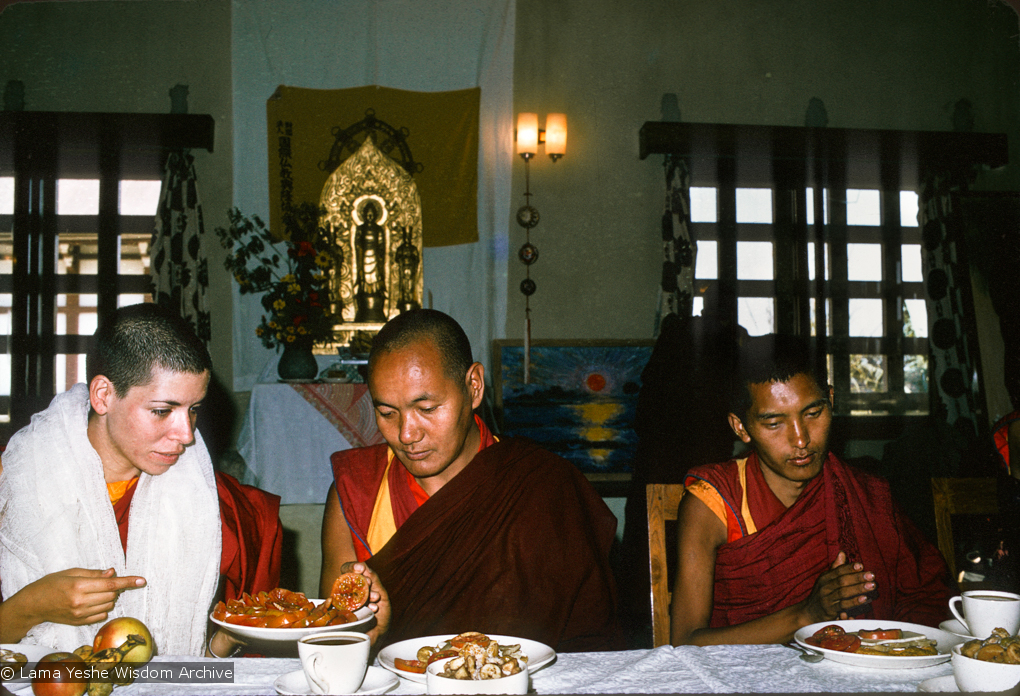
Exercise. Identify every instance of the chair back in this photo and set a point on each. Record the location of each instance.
(662, 500)
(960, 496)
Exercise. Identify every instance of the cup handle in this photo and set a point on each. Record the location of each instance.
(953, 603)
(321, 685)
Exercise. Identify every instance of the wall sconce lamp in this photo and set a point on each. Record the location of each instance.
(529, 137)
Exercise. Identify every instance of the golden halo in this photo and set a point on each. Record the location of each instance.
(359, 205)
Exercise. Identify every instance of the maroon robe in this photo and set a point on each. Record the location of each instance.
(842, 509)
(358, 474)
(516, 544)
(252, 535)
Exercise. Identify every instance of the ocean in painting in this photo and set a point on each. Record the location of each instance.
(579, 403)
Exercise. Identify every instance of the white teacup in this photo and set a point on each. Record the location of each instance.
(334, 662)
(985, 610)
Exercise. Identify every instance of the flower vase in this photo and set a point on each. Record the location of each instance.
(298, 362)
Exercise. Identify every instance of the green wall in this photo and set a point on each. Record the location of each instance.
(885, 64)
(898, 64)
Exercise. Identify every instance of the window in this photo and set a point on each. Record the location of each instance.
(884, 376)
(78, 196)
(834, 212)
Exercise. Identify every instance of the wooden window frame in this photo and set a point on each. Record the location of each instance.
(789, 161)
(37, 148)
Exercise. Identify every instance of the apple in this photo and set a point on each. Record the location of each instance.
(65, 675)
(115, 632)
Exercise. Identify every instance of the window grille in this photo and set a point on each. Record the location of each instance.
(78, 196)
(814, 232)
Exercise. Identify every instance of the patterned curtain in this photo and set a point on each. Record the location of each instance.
(179, 268)
(952, 370)
(676, 294)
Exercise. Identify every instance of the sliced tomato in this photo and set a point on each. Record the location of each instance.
(350, 591)
(830, 630)
(881, 634)
(848, 642)
(466, 638)
(818, 636)
(322, 619)
(283, 619)
(416, 666)
(343, 617)
(442, 655)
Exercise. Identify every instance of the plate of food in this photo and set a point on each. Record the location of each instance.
(409, 658)
(879, 644)
(21, 656)
(282, 615)
(284, 634)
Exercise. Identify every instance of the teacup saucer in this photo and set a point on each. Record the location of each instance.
(377, 681)
(955, 627)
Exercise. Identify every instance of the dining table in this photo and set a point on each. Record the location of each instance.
(666, 669)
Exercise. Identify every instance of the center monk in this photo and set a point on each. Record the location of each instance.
(457, 529)
(791, 535)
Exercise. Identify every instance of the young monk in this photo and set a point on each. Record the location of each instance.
(790, 535)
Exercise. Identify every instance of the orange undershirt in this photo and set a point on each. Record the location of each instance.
(117, 489)
(382, 525)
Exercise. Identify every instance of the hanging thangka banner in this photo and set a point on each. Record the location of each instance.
(433, 134)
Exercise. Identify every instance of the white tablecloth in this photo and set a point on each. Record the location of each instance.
(286, 445)
(285, 442)
(716, 669)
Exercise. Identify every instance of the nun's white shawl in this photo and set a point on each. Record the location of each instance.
(55, 514)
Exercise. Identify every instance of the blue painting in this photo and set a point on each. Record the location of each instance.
(579, 402)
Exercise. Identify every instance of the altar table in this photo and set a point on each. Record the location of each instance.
(687, 669)
(290, 431)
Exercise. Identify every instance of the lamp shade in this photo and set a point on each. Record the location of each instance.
(527, 133)
(556, 134)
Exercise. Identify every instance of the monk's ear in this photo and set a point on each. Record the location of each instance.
(737, 426)
(474, 380)
(101, 394)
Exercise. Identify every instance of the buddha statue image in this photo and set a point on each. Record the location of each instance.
(407, 262)
(370, 244)
(371, 218)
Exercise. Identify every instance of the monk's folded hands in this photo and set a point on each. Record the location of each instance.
(843, 588)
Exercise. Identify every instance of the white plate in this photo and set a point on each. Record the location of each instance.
(944, 641)
(293, 634)
(939, 685)
(539, 654)
(954, 626)
(33, 653)
(377, 681)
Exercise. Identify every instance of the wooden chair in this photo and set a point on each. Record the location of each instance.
(662, 501)
(960, 496)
